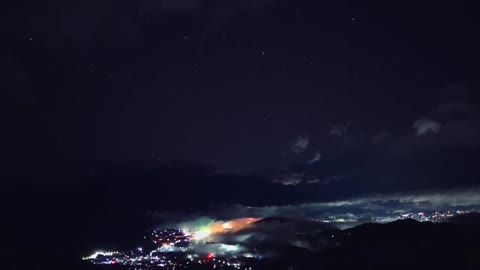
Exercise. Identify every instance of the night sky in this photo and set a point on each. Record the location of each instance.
(267, 102)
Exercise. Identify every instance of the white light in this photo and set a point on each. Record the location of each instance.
(94, 255)
(199, 235)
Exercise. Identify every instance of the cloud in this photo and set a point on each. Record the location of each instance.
(313, 181)
(445, 200)
(257, 234)
(455, 121)
(294, 179)
(380, 137)
(463, 198)
(315, 158)
(289, 179)
(454, 110)
(336, 177)
(339, 130)
(425, 125)
(300, 144)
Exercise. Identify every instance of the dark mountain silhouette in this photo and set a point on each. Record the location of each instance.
(470, 218)
(404, 244)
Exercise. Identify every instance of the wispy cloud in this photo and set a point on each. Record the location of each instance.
(289, 179)
(315, 158)
(338, 130)
(380, 137)
(313, 181)
(425, 125)
(300, 144)
(408, 201)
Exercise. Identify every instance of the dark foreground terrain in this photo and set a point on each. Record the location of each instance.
(405, 244)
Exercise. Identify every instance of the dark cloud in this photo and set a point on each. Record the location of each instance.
(313, 181)
(127, 191)
(380, 137)
(339, 130)
(458, 110)
(452, 123)
(454, 110)
(336, 177)
(195, 188)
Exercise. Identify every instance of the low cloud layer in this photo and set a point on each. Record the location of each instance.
(366, 204)
(281, 225)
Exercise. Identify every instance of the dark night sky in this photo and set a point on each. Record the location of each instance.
(353, 95)
(213, 107)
